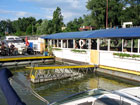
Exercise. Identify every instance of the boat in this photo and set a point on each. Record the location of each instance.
(127, 96)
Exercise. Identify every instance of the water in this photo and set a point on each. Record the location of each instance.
(60, 89)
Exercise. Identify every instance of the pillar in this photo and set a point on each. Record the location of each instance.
(61, 43)
(74, 43)
(122, 44)
(108, 44)
(89, 43)
(98, 44)
(138, 45)
(131, 45)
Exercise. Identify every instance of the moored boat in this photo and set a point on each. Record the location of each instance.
(127, 96)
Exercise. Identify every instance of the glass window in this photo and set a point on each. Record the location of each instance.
(127, 45)
(135, 45)
(70, 43)
(116, 44)
(94, 44)
(59, 43)
(64, 43)
(103, 44)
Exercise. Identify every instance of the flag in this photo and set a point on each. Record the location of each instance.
(26, 41)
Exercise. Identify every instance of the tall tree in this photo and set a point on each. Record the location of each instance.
(98, 12)
(57, 20)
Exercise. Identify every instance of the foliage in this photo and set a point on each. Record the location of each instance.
(78, 51)
(57, 20)
(50, 50)
(29, 30)
(122, 55)
(74, 25)
(119, 11)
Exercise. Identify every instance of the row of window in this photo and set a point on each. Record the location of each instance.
(125, 45)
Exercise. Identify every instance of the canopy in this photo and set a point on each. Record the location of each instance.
(102, 33)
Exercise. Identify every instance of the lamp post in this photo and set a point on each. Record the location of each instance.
(106, 14)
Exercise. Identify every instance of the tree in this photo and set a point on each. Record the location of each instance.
(29, 30)
(74, 25)
(98, 12)
(57, 20)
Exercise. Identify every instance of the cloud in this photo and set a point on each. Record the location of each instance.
(42, 9)
(17, 14)
(69, 8)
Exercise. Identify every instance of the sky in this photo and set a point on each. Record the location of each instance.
(42, 9)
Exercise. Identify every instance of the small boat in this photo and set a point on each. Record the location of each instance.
(127, 96)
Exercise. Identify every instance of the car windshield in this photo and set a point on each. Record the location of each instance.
(18, 41)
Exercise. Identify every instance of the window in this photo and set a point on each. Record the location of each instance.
(116, 44)
(70, 43)
(103, 44)
(64, 43)
(94, 44)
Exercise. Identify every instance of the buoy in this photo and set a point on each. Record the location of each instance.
(81, 43)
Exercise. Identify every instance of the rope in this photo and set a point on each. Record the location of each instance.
(30, 89)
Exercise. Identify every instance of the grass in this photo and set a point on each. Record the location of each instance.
(78, 51)
(122, 55)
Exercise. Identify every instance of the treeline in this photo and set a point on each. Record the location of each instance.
(119, 11)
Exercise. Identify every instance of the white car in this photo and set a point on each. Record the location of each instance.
(17, 42)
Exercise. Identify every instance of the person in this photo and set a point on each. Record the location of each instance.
(13, 50)
(3, 49)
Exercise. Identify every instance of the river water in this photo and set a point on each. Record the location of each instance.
(60, 89)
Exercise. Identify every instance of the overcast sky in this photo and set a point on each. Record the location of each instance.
(41, 9)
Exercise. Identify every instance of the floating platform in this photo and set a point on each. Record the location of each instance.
(57, 72)
(17, 60)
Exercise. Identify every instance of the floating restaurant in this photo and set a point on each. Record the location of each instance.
(105, 48)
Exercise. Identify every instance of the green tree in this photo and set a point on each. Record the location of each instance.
(75, 24)
(98, 12)
(57, 20)
(29, 30)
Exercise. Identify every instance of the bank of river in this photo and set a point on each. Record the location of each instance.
(59, 89)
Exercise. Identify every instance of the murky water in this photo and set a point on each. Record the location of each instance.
(59, 89)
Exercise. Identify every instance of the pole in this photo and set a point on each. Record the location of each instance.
(106, 14)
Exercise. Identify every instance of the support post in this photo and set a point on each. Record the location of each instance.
(61, 43)
(98, 44)
(131, 45)
(108, 44)
(138, 45)
(67, 43)
(74, 43)
(50, 42)
(89, 43)
(57, 43)
(122, 44)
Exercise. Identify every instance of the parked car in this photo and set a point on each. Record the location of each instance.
(17, 42)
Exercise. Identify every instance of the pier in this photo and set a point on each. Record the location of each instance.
(23, 59)
(55, 72)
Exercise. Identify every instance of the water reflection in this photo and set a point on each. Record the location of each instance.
(55, 90)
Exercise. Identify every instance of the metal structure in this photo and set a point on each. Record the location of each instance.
(42, 74)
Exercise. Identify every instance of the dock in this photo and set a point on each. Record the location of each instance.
(23, 59)
(57, 72)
